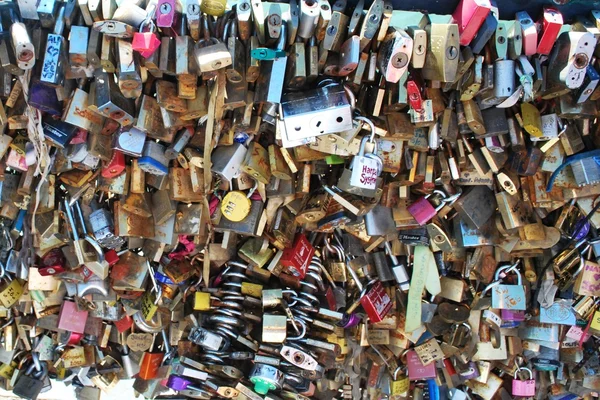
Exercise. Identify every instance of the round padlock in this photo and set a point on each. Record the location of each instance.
(236, 206)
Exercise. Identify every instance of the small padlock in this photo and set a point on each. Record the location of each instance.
(236, 204)
(146, 41)
(376, 302)
(211, 55)
(150, 363)
(510, 297)
(366, 167)
(423, 211)
(11, 292)
(523, 388)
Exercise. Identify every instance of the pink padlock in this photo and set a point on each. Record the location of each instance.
(523, 388)
(416, 369)
(529, 33)
(146, 42)
(422, 210)
(166, 16)
(469, 15)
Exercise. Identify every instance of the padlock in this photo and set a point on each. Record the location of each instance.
(394, 55)
(376, 302)
(529, 36)
(150, 363)
(423, 211)
(443, 47)
(552, 22)
(523, 388)
(30, 384)
(469, 15)
(211, 55)
(366, 167)
(510, 297)
(146, 42)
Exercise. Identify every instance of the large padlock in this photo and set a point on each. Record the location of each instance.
(30, 384)
(510, 297)
(524, 388)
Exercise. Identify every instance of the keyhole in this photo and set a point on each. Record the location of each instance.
(165, 8)
(452, 52)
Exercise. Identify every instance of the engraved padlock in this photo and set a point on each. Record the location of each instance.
(510, 297)
(524, 388)
(366, 167)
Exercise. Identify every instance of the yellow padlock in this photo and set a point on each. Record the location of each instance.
(595, 324)
(150, 304)
(236, 204)
(532, 121)
(11, 293)
(202, 301)
(252, 289)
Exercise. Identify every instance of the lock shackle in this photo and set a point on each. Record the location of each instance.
(452, 199)
(371, 125)
(526, 369)
(489, 287)
(301, 335)
(504, 270)
(252, 190)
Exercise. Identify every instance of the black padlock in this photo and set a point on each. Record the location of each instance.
(31, 382)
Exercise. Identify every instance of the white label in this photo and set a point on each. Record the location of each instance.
(364, 173)
(51, 60)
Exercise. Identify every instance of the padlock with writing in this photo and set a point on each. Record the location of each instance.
(524, 388)
(376, 302)
(510, 297)
(366, 167)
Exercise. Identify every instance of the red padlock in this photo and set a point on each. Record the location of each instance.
(551, 24)
(469, 15)
(53, 262)
(376, 302)
(111, 257)
(297, 258)
(414, 95)
(70, 318)
(115, 166)
(124, 323)
(146, 41)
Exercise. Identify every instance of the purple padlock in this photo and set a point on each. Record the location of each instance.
(44, 98)
(470, 371)
(512, 315)
(581, 229)
(177, 382)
